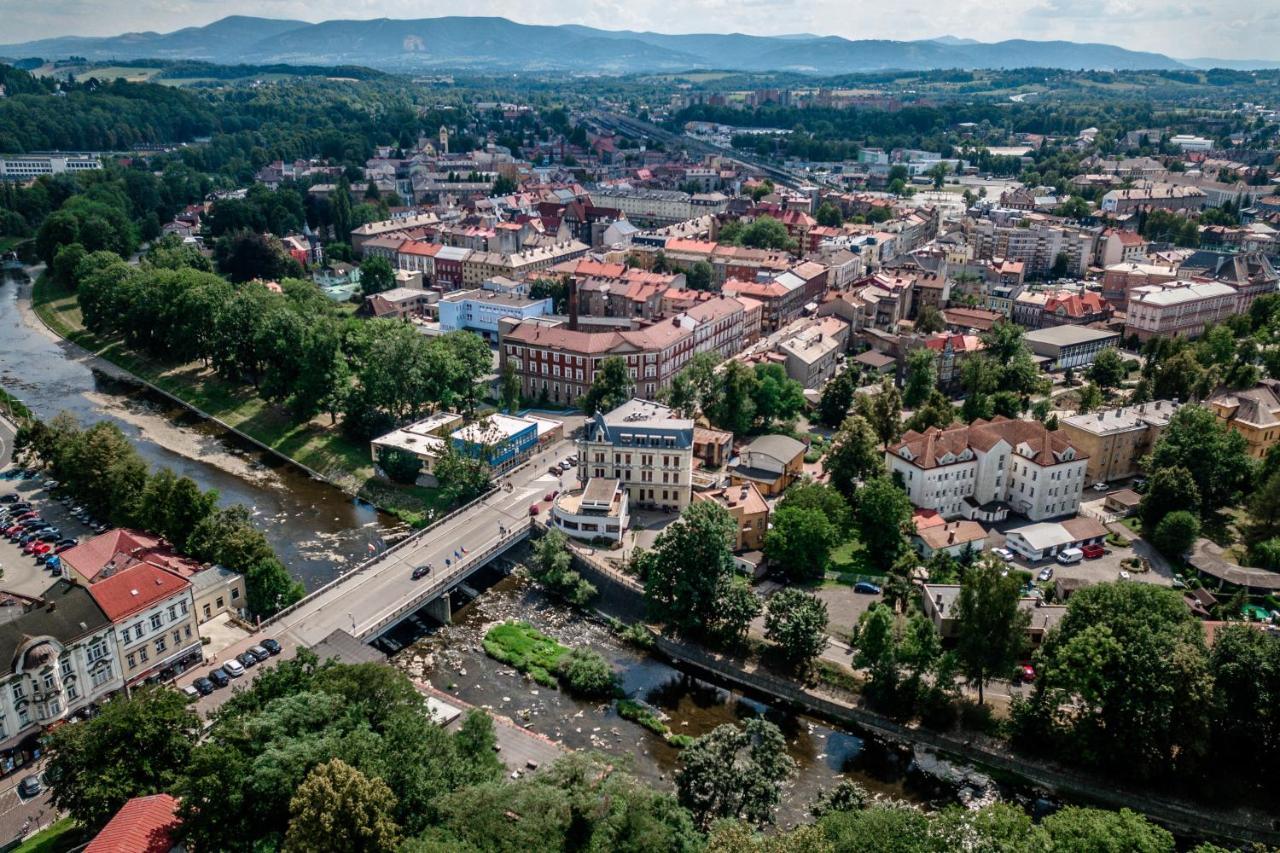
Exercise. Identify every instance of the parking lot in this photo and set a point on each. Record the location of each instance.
(1103, 569)
(22, 574)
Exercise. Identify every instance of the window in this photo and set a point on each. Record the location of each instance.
(131, 660)
(177, 637)
(24, 716)
(48, 681)
(102, 676)
(72, 694)
(187, 631)
(157, 619)
(66, 668)
(161, 645)
(54, 707)
(220, 603)
(97, 650)
(235, 593)
(142, 655)
(207, 612)
(182, 605)
(173, 612)
(19, 693)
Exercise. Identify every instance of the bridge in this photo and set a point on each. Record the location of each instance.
(376, 595)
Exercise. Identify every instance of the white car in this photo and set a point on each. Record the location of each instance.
(234, 668)
(1003, 553)
(1100, 487)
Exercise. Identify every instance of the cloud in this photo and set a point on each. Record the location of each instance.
(1241, 28)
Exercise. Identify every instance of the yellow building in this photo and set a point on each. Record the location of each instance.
(749, 510)
(1115, 440)
(1254, 413)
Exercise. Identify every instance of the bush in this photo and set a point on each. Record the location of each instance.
(586, 673)
(629, 709)
(400, 466)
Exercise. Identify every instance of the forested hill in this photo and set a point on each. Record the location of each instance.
(96, 116)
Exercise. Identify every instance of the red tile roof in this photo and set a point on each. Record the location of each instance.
(134, 589)
(928, 447)
(143, 825)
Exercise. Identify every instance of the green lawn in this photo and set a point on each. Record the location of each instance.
(64, 835)
(520, 645)
(315, 443)
(849, 561)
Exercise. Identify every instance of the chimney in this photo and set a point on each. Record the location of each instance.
(938, 600)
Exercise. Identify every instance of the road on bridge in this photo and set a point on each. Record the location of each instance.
(362, 599)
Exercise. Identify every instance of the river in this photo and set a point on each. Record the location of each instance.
(451, 657)
(316, 529)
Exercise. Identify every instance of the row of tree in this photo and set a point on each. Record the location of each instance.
(104, 472)
(291, 344)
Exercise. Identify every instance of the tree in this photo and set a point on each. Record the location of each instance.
(797, 623)
(922, 377)
(1061, 266)
(937, 411)
(891, 827)
(1214, 453)
(462, 477)
(799, 540)
(854, 455)
(133, 747)
(1108, 370)
(338, 808)
(689, 571)
(734, 772)
(883, 511)
(765, 232)
(401, 466)
(876, 651)
(930, 320)
(837, 397)
(228, 537)
(699, 276)
(828, 215)
(611, 387)
(246, 255)
(552, 566)
(990, 627)
(1176, 533)
(1090, 399)
(822, 497)
(735, 408)
(696, 388)
(1245, 663)
(1168, 489)
(510, 388)
(776, 396)
(1076, 828)
(586, 673)
(883, 410)
(938, 174)
(376, 275)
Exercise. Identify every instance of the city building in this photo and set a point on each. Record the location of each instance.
(148, 824)
(1116, 440)
(58, 661)
(398, 303)
(1252, 412)
(1070, 347)
(482, 310)
(154, 618)
(771, 462)
(750, 513)
(988, 468)
(813, 353)
(934, 534)
(503, 441)
(712, 446)
(24, 167)
(1178, 310)
(1118, 280)
(1036, 245)
(940, 604)
(1153, 196)
(599, 510)
(1047, 539)
(646, 447)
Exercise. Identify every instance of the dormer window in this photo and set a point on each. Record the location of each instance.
(906, 454)
(1069, 454)
(965, 455)
(946, 458)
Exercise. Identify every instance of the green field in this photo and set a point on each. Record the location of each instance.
(64, 835)
(315, 443)
(521, 646)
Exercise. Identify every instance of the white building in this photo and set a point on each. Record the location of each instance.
(984, 470)
(23, 167)
(1046, 539)
(601, 510)
(646, 447)
(1187, 142)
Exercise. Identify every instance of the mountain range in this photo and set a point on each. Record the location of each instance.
(498, 44)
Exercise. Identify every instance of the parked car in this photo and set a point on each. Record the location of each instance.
(549, 496)
(247, 660)
(1092, 552)
(1099, 487)
(271, 646)
(1003, 553)
(9, 498)
(234, 668)
(30, 786)
(259, 652)
(39, 549)
(191, 692)
(1024, 674)
(69, 542)
(219, 677)
(554, 470)
(1070, 556)
(866, 587)
(1046, 574)
(204, 685)
(533, 509)
(420, 572)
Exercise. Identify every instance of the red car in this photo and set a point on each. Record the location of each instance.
(42, 548)
(1024, 674)
(1093, 552)
(549, 496)
(533, 509)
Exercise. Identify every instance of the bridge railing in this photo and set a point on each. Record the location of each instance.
(399, 546)
(442, 582)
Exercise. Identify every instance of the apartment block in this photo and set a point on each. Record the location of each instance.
(1116, 440)
(645, 447)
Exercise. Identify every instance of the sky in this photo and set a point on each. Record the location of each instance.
(1247, 29)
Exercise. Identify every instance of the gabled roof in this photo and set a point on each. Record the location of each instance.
(930, 448)
(135, 589)
(143, 825)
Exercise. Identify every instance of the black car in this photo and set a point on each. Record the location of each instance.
(9, 498)
(204, 685)
(421, 571)
(271, 646)
(219, 677)
(247, 660)
(30, 786)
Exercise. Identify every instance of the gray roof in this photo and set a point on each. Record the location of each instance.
(644, 418)
(784, 448)
(212, 576)
(1062, 336)
(66, 612)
